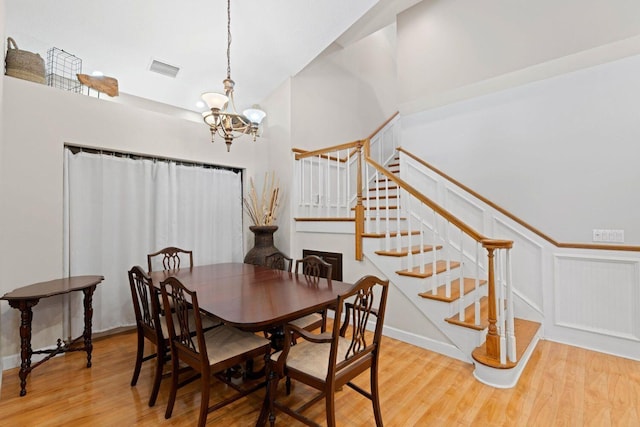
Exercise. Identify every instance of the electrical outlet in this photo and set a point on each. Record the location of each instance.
(597, 235)
(608, 236)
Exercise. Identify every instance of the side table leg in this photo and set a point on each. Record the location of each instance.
(26, 317)
(88, 316)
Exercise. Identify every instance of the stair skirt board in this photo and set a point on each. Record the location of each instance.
(505, 378)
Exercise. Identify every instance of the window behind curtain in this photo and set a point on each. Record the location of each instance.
(118, 209)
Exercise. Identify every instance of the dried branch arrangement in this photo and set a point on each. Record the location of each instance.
(262, 210)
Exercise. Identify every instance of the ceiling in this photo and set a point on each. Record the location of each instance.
(272, 40)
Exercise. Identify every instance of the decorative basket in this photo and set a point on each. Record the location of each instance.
(24, 64)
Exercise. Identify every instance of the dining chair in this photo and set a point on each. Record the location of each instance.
(209, 353)
(170, 258)
(150, 325)
(278, 261)
(313, 268)
(328, 362)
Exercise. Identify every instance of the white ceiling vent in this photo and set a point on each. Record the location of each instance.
(164, 68)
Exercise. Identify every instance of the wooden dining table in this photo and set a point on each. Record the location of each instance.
(252, 297)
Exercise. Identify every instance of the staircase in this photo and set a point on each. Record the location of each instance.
(457, 278)
(461, 312)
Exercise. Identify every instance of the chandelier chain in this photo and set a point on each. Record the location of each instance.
(229, 39)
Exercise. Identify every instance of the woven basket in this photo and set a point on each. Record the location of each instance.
(23, 64)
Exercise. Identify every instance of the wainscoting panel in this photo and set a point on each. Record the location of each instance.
(527, 258)
(421, 181)
(465, 208)
(598, 295)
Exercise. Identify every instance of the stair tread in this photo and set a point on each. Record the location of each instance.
(391, 234)
(441, 266)
(374, 208)
(391, 196)
(525, 332)
(380, 187)
(441, 293)
(469, 316)
(405, 251)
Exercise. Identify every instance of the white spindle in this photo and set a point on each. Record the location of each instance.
(387, 236)
(434, 260)
(476, 298)
(398, 240)
(511, 331)
(500, 302)
(461, 280)
(447, 254)
(409, 213)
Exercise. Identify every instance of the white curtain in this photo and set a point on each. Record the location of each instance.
(119, 209)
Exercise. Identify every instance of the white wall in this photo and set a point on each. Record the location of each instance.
(346, 93)
(561, 154)
(38, 121)
(456, 49)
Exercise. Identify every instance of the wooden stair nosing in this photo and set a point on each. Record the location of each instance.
(405, 251)
(326, 219)
(469, 316)
(391, 234)
(375, 208)
(441, 267)
(525, 332)
(390, 187)
(469, 285)
(391, 196)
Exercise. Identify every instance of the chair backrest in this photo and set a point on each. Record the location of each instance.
(170, 258)
(146, 304)
(365, 301)
(313, 268)
(278, 261)
(189, 347)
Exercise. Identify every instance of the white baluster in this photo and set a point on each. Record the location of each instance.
(476, 298)
(500, 302)
(434, 275)
(447, 254)
(461, 280)
(511, 331)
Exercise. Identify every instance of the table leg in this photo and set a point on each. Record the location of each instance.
(26, 317)
(88, 316)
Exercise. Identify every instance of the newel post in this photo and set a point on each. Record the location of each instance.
(493, 337)
(359, 211)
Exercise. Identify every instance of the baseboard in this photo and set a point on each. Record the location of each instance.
(426, 343)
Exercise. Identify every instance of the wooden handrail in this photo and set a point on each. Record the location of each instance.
(427, 201)
(375, 132)
(301, 154)
(511, 216)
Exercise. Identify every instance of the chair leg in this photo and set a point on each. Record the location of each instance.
(375, 396)
(139, 353)
(174, 386)
(288, 385)
(157, 377)
(204, 400)
(330, 407)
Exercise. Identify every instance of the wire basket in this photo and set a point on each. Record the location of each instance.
(62, 70)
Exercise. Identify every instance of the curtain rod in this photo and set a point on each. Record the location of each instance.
(75, 149)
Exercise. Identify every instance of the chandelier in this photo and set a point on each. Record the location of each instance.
(222, 117)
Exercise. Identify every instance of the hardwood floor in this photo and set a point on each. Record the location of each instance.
(561, 386)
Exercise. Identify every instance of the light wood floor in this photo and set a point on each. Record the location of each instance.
(561, 386)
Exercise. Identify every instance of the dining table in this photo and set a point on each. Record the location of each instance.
(253, 297)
